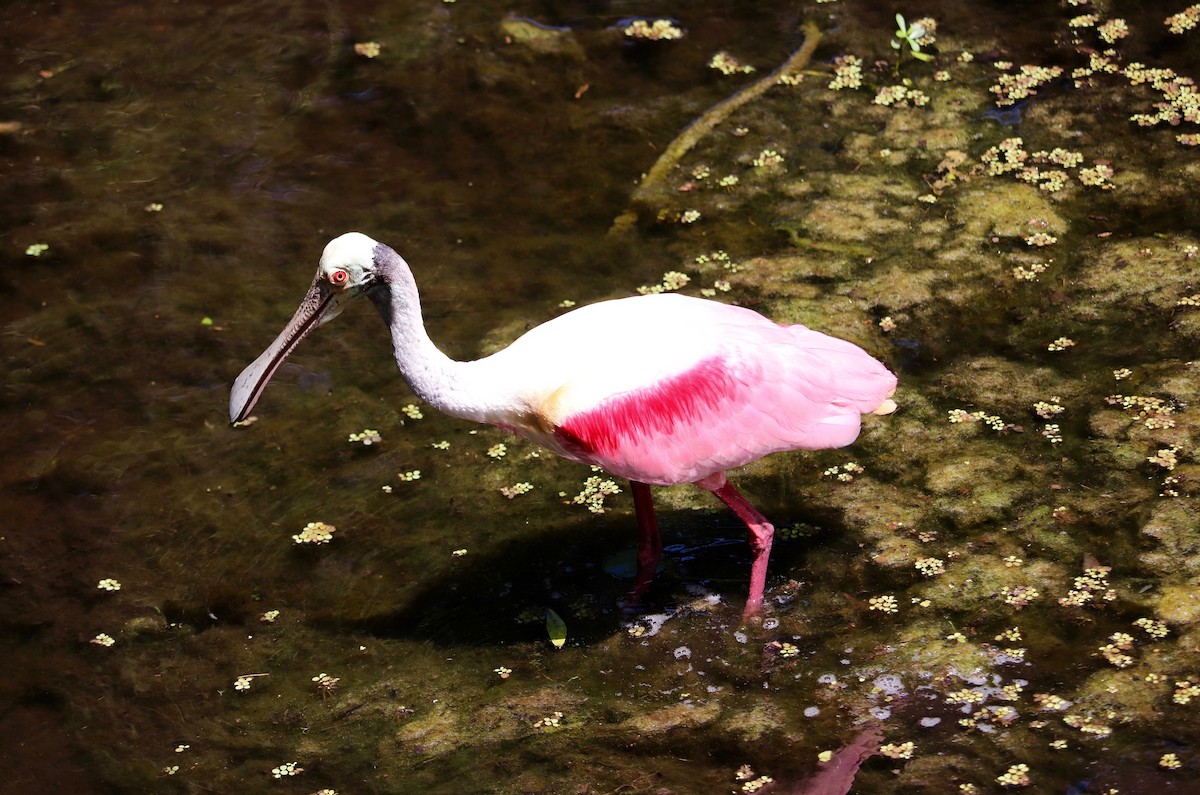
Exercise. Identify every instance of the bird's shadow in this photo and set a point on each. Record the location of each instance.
(583, 572)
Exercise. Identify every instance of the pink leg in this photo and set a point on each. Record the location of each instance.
(762, 533)
(649, 541)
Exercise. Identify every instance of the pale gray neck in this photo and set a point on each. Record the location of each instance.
(440, 381)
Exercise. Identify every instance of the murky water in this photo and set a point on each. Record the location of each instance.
(1010, 580)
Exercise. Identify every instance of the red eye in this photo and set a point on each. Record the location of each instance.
(338, 278)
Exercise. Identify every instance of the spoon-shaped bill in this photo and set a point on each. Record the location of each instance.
(320, 304)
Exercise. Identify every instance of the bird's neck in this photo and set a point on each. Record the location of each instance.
(442, 382)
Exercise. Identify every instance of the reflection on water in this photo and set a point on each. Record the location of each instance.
(184, 165)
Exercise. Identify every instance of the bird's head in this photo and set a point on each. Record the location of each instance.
(348, 264)
(348, 268)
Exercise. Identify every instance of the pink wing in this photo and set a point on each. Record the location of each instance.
(763, 388)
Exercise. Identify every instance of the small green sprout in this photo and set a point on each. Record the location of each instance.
(910, 35)
(37, 249)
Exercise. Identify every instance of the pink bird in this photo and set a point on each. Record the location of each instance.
(659, 389)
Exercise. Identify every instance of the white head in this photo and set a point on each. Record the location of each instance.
(348, 261)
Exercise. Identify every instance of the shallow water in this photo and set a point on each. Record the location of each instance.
(184, 165)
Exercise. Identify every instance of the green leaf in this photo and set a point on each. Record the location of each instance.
(556, 628)
(922, 56)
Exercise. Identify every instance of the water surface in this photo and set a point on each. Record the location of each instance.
(184, 165)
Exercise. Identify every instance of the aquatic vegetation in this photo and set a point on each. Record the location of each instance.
(1113, 30)
(1185, 692)
(844, 472)
(909, 39)
(1184, 21)
(368, 49)
(1060, 344)
(1091, 588)
(1153, 412)
(286, 770)
(884, 604)
(108, 584)
(960, 416)
(750, 780)
(326, 684)
(901, 96)
(726, 64)
(1016, 776)
(719, 286)
(244, 682)
(767, 158)
(1013, 87)
(671, 281)
(1155, 629)
(552, 721)
(315, 533)
(847, 73)
(931, 567)
(653, 30)
(902, 750)
(366, 437)
(516, 490)
(595, 490)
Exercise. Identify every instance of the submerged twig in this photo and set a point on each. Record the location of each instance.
(705, 124)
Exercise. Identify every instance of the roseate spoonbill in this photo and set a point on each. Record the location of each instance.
(690, 389)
